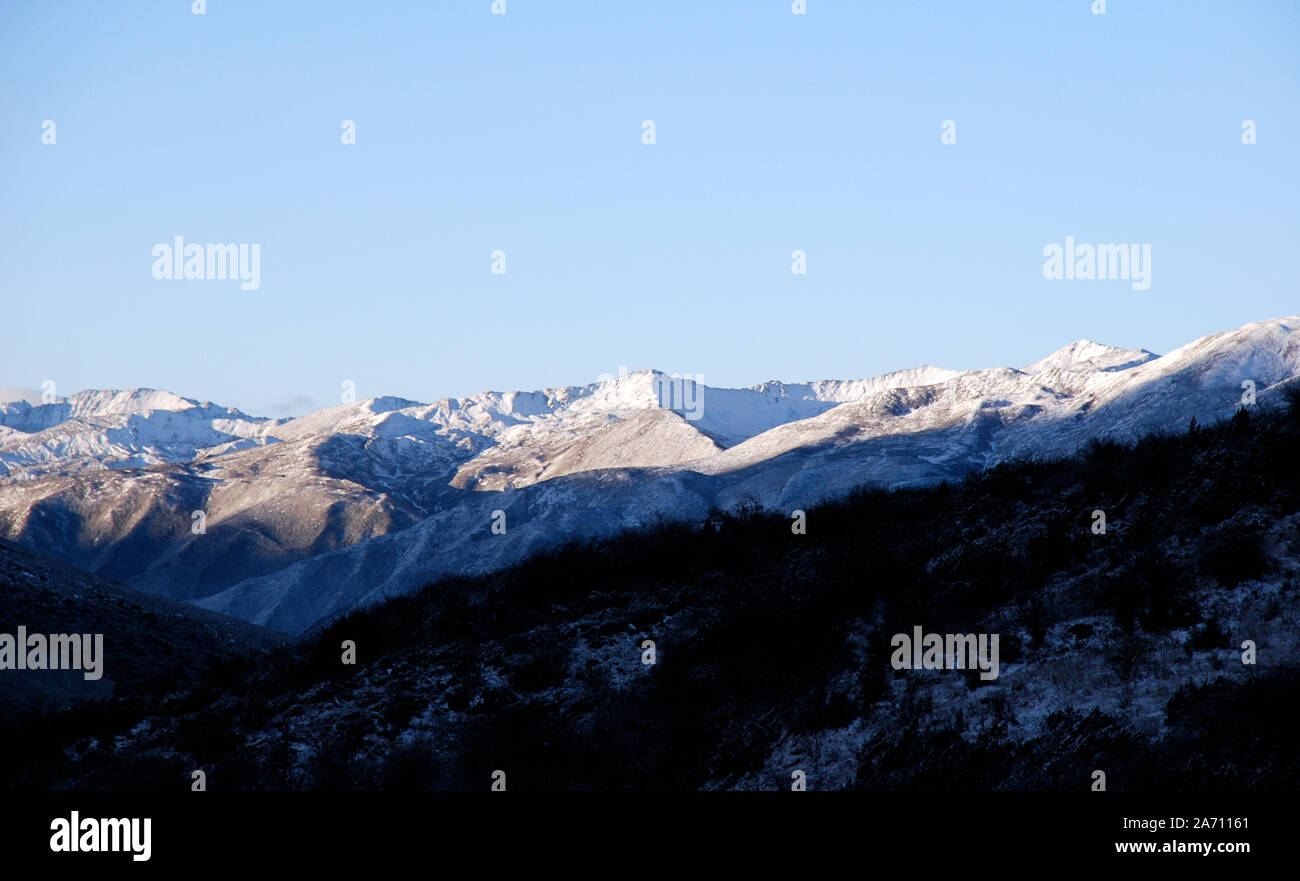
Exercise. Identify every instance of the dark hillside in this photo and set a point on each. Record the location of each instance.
(1119, 652)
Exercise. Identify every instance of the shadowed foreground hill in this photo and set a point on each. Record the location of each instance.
(151, 645)
(1119, 652)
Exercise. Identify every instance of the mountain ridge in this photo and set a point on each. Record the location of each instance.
(363, 496)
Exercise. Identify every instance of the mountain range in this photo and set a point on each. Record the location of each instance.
(305, 519)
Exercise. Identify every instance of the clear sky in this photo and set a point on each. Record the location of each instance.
(522, 132)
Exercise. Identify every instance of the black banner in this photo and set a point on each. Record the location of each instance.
(640, 832)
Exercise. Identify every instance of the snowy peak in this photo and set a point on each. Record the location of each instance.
(378, 496)
(98, 403)
(1088, 356)
(109, 428)
(1264, 352)
(510, 439)
(112, 402)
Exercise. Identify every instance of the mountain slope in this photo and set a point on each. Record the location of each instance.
(150, 645)
(1119, 652)
(374, 497)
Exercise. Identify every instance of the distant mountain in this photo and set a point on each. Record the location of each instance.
(1163, 652)
(306, 518)
(1088, 356)
(118, 429)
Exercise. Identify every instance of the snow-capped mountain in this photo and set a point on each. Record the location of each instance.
(306, 517)
(118, 429)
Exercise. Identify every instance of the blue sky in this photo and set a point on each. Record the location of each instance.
(522, 132)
